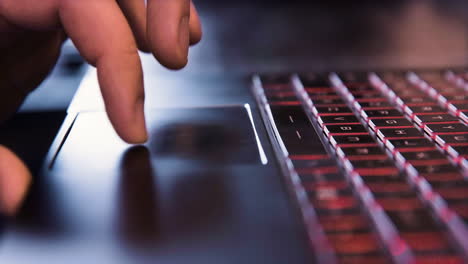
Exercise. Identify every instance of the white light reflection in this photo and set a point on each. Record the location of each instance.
(263, 157)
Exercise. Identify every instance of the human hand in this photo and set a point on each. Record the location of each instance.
(108, 34)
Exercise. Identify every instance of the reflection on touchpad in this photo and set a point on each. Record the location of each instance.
(222, 135)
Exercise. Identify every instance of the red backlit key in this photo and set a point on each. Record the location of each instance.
(434, 169)
(439, 259)
(353, 141)
(409, 143)
(396, 133)
(447, 129)
(390, 187)
(413, 220)
(424, 155)
(360, 151)
(336, 223)
(332, 110)
(374, 114)
(399, 204)
(328, 101)
(390, 123)
(354, 243)
(426, 110)
(337, 119)
(331, 130)
(442, 118)
(367, 105)
(426, 241)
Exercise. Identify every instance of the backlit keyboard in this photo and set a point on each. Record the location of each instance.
(377, 162)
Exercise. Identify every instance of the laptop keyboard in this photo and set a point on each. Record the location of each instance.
(376, 161)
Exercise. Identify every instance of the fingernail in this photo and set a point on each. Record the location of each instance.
(184, 36)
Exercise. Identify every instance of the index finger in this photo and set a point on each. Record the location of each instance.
(102, 35)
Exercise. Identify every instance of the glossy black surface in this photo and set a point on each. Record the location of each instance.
(200, 195)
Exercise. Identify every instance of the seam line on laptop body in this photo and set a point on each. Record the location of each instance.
(60, 140)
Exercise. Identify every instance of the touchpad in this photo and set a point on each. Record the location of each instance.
(207, 134)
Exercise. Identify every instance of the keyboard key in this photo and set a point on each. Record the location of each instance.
(334, 223)
(393, 189)
(442, 118)
(435, 169)
(426, 241)
(281, 96)
(320, 91)
(367, 105)
(393, 113)
(399, 204)
(399, 133)
(411, 221)
(327, 101)
(332, 110)
(361, 151)
(457, 128)
(290, 116)
(425, 109)
(302, 141)
(389, 123)
(345, 129)
(302, 161)
(352, 140)
(334, 202)
(424, 155)
(367, 95)
(453, 139)
(356, 243)
(461, 97)
(322, 177)
(453, 192)
(445, 258)
(378, 172)
(296, 131)
(337, 119)
(416, 99)
(358, 164)
(443, 179)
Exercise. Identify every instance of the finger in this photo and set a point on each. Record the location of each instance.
(135, 12)
(195, 25)
(31, 15)
(18, 76)
(14, 181)
(169, 31)
(103, 37)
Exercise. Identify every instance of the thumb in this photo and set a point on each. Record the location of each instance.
(15, 179)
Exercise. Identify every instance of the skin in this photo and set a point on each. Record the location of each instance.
(108, 34)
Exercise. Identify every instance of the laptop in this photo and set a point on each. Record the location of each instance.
(299, 133)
